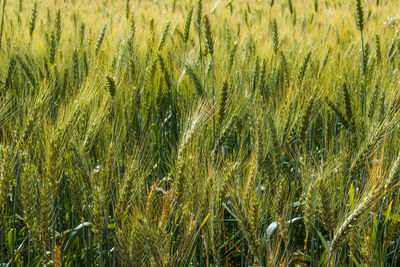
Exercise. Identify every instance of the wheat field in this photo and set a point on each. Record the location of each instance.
(199, 133)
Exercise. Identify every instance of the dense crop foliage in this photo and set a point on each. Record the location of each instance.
(199, 133)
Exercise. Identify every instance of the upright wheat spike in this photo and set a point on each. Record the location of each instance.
(373, 103)
(167, 208)
(30, 123)
(100, 39)
(324, 207)
(303, 67)
(392, 47)
(149, 202)
(210, 50)
(290, 4)
(180, 180)
(325, 61)
(294, 17)
(228, 37)
(263, 72)
(339, 114)
(187, 26)
(306, 120)
(132, 68)
(359, 15)
(275, 149)
(199, 19)
(349, 109)
(192, 74)
(360, 25)
(127, 8)
(275, 36)
(378, 48)
(82, 33)
(57, 26)
(309, 208)
(285, 68)
(208, 35)
(2, 21)
(164, 69)
(32, 22)
(152, 31)
(199, 13)
(275, 42)
(75, 68)
(223, 106)
(52, 48)
(232, 55)
(164, 36)
(125, 195)
(133, 27)
(98, 209)
(10, 72)
(382, 106)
